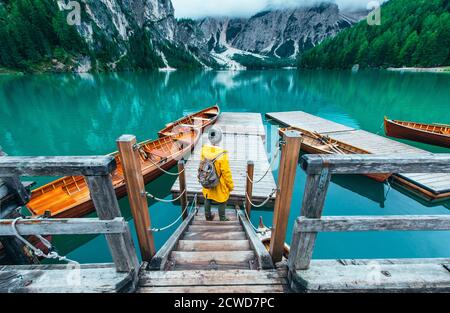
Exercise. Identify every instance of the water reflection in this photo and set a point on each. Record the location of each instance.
(84, 114)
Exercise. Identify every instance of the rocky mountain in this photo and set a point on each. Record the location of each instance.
(137, 31)
(267, 36)
(144, 34)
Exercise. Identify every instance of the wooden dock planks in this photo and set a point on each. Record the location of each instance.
(307, 121)
(431, 186)
(228, 281)
(398, 275)
(243, 138)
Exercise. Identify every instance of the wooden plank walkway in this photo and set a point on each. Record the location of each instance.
(437, 184)
(243, 138)
(213, 256)
(56, 278)
(228, 281)
(397, 275)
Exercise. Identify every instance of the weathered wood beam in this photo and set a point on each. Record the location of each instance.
(249, 187)
(65, 226)
(56, 166)
(159, 261)
(121, 245)
(263, 256)
(286, 178)
(131, 164)
(302, 244)
(373, 223)
(183, 188)
(371, 163)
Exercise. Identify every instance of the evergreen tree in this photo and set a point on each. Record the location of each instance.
(412, 33)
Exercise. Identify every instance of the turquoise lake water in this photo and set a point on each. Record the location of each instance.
(65, 114)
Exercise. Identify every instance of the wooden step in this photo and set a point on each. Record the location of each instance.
(215, 289)
(209, 267)
(206, 257)
(214, 236)
(214, 228)
(219, 223)
(201, 217)
(211, 278)
(213, 245)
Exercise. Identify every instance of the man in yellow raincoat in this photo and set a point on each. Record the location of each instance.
(220, 193)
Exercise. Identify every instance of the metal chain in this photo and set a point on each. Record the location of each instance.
(268, 169)
(36, 251)
(193, 205)
(149, 195)
(264, 202)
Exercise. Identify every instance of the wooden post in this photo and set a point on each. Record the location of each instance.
(131, 165)
(249, 187)
(286, 177)
(183, 190)
(302, 244)
(105, 202)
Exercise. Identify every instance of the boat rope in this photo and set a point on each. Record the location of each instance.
(36, 251)
(250, 222)
(163, 170)
(192, 208)
(262, 203)
(381, 128)
(149, 195)
(389, 189)
(253, 181)
(142, 152)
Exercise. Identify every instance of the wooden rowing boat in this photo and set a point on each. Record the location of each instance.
(434, 134)
(264, 233)
(68, 197)
(316, 143)
(201, 119)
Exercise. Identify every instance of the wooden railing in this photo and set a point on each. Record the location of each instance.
(97, 171)
(319, 169)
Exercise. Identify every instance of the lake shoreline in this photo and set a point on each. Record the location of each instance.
(444, 69)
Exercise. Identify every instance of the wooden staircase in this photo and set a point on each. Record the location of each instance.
(213, 245)
(213, 256)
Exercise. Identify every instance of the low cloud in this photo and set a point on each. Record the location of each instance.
(238, 8)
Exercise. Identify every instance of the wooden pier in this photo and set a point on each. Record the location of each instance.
(214, 256)
(244, 138)
(430, 186)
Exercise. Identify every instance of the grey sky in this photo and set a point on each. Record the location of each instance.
(200, 8)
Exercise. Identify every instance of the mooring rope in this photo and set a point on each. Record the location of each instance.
(36, 251)
(146, 157)
(149, 195)
(193, 205)
(163, 170)
(250, 222)
(268, 169)
(389, 189)
(264, 202)
(381, 127)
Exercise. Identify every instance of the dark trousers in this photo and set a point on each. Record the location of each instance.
(222, 207)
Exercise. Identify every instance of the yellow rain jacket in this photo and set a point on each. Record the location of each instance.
(221, 192)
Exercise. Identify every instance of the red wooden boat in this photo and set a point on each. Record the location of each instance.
(433, 134)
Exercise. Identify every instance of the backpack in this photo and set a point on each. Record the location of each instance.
(207, 174)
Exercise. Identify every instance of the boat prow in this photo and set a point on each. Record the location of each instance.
(264, 233)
